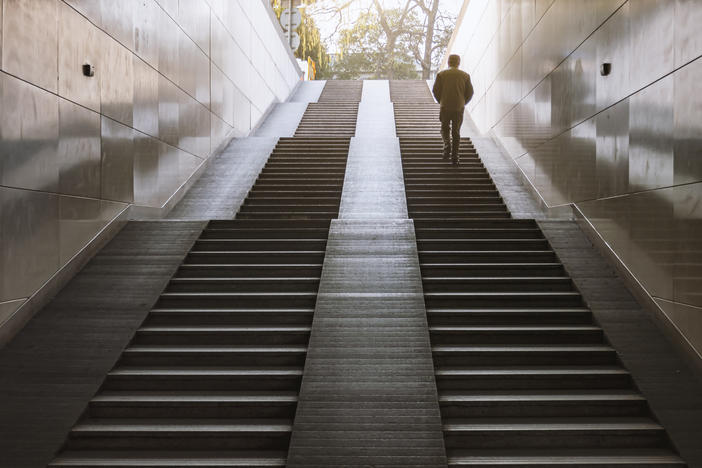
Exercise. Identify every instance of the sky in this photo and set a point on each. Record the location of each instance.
(327, 24)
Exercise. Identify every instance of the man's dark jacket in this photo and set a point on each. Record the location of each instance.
(453, 89)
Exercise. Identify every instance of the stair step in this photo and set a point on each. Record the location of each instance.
(454, 334)
(516, 355)
(237, 299)
(221, 335)
(553, 433)
(573, 458)
(497, 284)
(229, 316)
(532, 378)
(487, 256)
(288, 355)
(251, 284)
(544, 403)
(203, 378)
(170, 459)
(494, 270)
(262, 257)
(180, 434)
(510, 316)
(502, 299)
(188, 404)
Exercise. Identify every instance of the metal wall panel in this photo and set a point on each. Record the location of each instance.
(687, 114)
(146, 170)
(79, 43)
(624, 147)
(79, 220)
(118, 20)
(30, 30)
(1, 31)
(7, 309)
(29, 237)
(168, 33)
(78, 150)
(612, 147)
(117, 167)
(651, 137)
(168, 111)
(29, 132)
(688, 41)
(146, 100)
(194, 17)
(147, 17)
(651, 41)
(116, 81)
(91, 9)
(170, 6)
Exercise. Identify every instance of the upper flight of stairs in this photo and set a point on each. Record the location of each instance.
(212, 376)
(525, 375)
(416, 111)
(334, 115)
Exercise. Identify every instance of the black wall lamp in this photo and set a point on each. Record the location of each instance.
(605, 69)
(88, 70)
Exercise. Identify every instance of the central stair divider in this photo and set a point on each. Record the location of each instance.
(368, 396)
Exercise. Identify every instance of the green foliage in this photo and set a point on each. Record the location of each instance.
(311, 44)
(367, 51)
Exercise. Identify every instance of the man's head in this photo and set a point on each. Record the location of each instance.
(454, 60)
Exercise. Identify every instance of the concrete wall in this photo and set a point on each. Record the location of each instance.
(173, 80)
(624, 149)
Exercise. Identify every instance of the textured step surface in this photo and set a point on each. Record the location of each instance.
(212, 375)
(524, 374)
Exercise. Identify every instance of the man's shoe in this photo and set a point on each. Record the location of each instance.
(455, 161)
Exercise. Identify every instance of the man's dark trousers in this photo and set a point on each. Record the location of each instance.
(451, 129)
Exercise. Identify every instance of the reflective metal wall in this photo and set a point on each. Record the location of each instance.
(625, 148)
(173, 79)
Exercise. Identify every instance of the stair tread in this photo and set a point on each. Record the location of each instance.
(559, 457)
(525, 396)
(213, 279)
(505, 293)
(521, 348)
(526, 328)
(183, 425)
(551, 424)
(219, 349)
(204, 371)
(125, 397)
(509, 310)
(508, 371)
(223, 329)
(225, 294)
(144, 458)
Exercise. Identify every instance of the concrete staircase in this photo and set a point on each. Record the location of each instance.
(212, 376)
(526, 377)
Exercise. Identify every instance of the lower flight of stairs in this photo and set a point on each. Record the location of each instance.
(212, 376)
(525, 376)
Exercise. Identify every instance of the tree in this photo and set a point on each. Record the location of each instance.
(311, 46)
(435, 35)
(377, 46)
(311, 43)
(423, 24)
